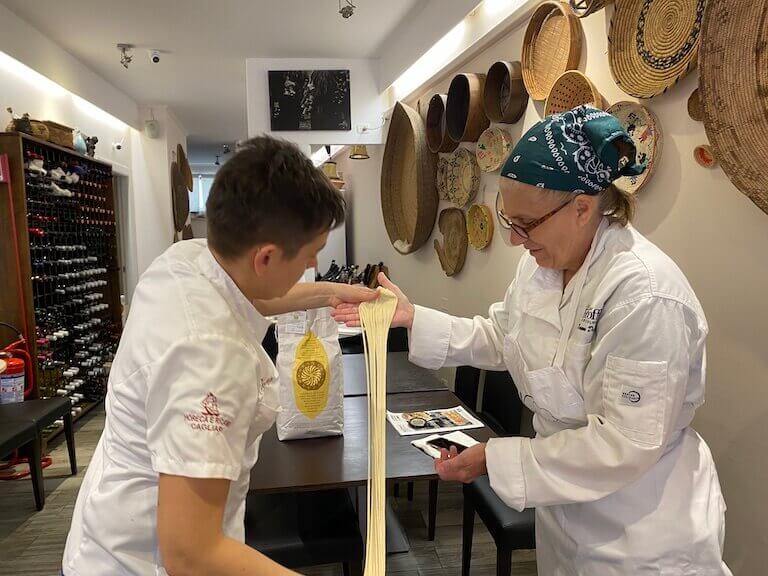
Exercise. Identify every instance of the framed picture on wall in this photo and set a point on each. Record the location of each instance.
(309, 100)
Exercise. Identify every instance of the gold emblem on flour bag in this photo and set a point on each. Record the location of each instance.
(310, 376)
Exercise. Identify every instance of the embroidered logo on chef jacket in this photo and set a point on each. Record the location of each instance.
(630, 396)
(589, 319)
(209, 419)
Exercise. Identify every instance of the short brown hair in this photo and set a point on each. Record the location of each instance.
(270, 192)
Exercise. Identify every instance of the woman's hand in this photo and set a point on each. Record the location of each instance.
(348, 313)
(464, 467)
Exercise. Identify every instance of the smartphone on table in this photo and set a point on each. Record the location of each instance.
(441, 442)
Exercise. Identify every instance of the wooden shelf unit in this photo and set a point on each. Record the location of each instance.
(88, 218)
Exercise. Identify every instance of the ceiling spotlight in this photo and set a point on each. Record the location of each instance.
(125, 54)
(225, 149)
(346, 8)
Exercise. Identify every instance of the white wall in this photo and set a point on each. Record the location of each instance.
(64, 90)
(698, 217)
(26, 44)
(366, 103)
(152, 185)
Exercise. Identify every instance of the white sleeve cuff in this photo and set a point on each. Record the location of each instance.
(503, 458)
(429, 337)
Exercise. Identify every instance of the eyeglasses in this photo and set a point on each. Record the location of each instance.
(523, 231)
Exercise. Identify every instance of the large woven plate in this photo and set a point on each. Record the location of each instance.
(551, 46)
(479, 226)
(493, 147)
(463, 177)
(504, 96)
(654, 43)
(179, 197)
(437, 132)
(572, 89)
(642, 126)
(408, 195)
(734, 91)
(453, 251)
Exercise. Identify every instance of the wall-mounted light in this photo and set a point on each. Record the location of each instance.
(359, 152)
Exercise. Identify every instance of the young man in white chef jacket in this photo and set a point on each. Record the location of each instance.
(191, 389)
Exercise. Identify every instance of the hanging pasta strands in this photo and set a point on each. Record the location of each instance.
(376, 317)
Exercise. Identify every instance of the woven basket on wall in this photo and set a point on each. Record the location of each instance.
(572, 89)
(437, 132)
(552, 45)
(453, 250)
(733, 91)
(504, 96)
(479, 226)
(464, 114)
(408, 196)
(653, 44)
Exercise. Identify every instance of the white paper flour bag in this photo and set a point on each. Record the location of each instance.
(311, 375)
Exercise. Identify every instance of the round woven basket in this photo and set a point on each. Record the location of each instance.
(583, 8)
(552, 45)
(186, 170)
(479, 226)
(437, 133)
(465, 118)
(641, 124)
(453, 250)
(695, 108)
(653, 44)
(493, 147)
(505, 97)
(572, 89)
(179, 197)
(733, 87)
(408, 196)
(463, 177)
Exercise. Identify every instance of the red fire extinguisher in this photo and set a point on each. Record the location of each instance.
(12, 381)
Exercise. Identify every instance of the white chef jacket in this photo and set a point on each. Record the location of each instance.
(613, 368)
(190, 393)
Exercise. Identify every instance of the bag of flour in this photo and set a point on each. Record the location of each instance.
(311, 375)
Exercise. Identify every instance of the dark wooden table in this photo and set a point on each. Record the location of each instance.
(402, 376)
(342, 461)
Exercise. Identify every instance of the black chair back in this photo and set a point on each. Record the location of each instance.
(466, 385)
(501, 406)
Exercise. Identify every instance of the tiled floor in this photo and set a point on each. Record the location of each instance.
(31, 543)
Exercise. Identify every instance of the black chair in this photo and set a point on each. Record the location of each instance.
(466, 385)
(270, 342)
(42, 413)
(503, 411)
(302, 529)
(23, 435)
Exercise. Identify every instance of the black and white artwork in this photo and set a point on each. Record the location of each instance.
(309, 100)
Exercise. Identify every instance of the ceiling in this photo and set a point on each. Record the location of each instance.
(204, 44)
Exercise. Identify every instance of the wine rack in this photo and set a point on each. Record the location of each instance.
(69, 304)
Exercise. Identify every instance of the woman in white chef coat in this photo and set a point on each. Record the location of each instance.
(604, 338)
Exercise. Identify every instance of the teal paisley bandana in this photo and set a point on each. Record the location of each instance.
(575, 151)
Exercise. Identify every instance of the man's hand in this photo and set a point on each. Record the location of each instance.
(464, 467)
(348, 313)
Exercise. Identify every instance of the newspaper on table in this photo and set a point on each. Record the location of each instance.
(433, 421)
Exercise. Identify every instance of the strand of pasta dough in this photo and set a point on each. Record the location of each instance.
(376, 317)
